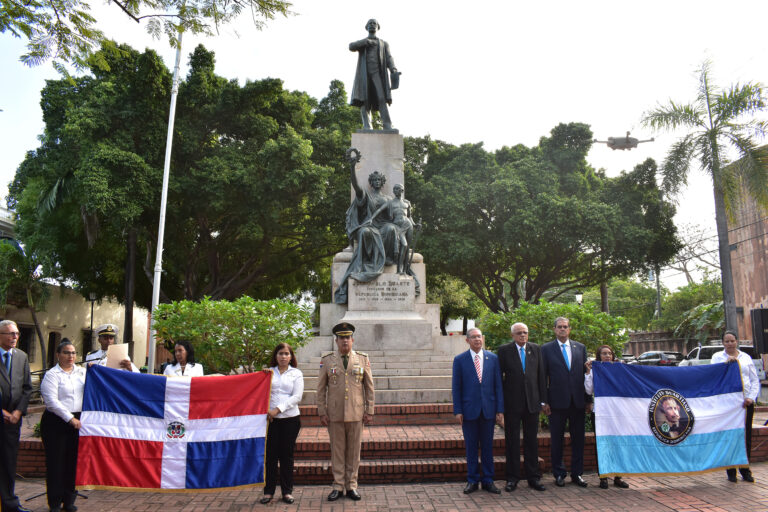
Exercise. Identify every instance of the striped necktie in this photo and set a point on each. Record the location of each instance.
(477, 368)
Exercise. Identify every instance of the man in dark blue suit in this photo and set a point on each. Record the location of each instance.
(564, 368)
(478, 400)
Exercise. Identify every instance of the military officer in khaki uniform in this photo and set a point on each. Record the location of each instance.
(344, 403)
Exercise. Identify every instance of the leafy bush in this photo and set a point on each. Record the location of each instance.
(588, 325)
(232, 336)
(702, 322)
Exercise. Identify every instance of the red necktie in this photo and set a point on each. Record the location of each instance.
(477, 368)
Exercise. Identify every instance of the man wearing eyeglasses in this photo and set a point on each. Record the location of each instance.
(16, 388)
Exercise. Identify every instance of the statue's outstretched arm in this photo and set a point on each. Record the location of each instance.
(353, 157)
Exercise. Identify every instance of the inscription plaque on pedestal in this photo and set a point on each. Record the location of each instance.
(388, 292)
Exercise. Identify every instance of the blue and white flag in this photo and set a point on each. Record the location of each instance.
(172, 433)
(667, 421)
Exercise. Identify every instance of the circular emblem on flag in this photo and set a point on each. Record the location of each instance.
(669, 416)
(175, 430)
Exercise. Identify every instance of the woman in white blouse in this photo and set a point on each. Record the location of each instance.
(185, 364)
(62, 390)
(751, 391)
(284, 422)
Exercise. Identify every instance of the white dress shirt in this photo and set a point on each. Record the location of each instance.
(63, 392)
(190, 370)
(748, 372)
(287, 389)
(472, 354)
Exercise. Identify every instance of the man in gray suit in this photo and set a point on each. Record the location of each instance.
(16, 388)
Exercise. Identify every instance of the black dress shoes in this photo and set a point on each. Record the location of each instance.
(578, 481)
(560, 481)
(335, 494)
(490, 487)
(511, 486)
(354, 495)
(470, 487)
(536, 485)
(603, 483)
(618, 482)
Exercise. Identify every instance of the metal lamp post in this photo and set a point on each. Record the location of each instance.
(92, 298)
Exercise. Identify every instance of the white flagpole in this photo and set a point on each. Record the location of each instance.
(163, 203)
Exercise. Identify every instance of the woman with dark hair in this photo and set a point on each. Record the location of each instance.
(604, 354)
(62, 391)
(184, 361)
(732, 354)
(284, 422)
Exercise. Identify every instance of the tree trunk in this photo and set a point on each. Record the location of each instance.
(464, 326)
(443, 319)
(604, 297)
(44, 354)
(724, 249)
(130, 285)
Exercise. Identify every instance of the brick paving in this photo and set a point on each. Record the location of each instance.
(710, 492)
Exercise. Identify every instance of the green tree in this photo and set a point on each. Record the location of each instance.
(455, 299)
(21, 284)
(588, 325)
(237, 336)
(541, 219)
(716, 120)
(65, 30)
(678, 304)
(633, 300)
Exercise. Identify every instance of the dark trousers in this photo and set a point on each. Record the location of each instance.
(60, 441)
(281, 442)
(530, 423)
(9, 450)
(479, 432)
(575, 418)
(747, 439)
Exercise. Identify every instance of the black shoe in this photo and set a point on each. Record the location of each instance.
(511, 486)
(732, 478)
(490, 487)
(265, 500)
(288, 499)
(747, 477)
(70, 508)
(560, 481)
(618, 482)
(335, 494)
(603, 483)
(470, 487)
(578, 481)
(354, 495)
(536, 485)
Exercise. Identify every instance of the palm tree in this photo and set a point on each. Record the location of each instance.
(716, 120)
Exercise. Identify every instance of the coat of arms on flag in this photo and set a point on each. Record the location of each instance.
(154, 432)
(668, 421)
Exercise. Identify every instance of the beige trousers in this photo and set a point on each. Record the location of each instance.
(345, 438)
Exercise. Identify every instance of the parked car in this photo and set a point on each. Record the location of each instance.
(659, 358)
(703, 355)
(628, 358)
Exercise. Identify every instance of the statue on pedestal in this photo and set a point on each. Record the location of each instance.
(380, 231)
(373, 86)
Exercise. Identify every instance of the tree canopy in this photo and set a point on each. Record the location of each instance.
(520, 221)
(255, 200)
(66, 31)
(716, 120)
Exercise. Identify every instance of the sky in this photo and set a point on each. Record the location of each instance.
(500, 72)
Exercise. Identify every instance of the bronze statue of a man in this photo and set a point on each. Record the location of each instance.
(372, 89)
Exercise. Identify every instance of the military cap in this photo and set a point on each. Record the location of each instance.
(343, 329)
(107, 330)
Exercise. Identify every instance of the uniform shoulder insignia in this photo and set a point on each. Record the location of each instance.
(326, 355)
(362, 354)
(91, 352)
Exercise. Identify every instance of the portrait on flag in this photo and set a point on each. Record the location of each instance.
(668, 421)
(154, 432)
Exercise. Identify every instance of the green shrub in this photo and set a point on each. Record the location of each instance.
(588, 325)
(234, 335)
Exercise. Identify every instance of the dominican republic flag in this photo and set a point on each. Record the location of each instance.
(668, 421)
(154, 432)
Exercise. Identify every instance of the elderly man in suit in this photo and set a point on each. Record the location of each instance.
(478, 400)
(345, 399)
(16, 388)
(522, 377)
(564, 368)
